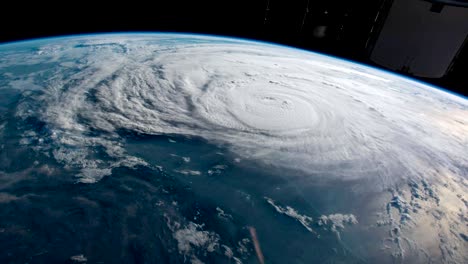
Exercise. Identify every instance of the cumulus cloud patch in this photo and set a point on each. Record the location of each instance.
(332, 222)
(337, 222)
(193, 236)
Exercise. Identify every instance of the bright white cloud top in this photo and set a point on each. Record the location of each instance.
(325, 118)
(283, 106)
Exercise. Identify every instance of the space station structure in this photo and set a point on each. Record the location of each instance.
(419, 37)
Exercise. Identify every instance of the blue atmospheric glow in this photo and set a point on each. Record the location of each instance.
(233, 38)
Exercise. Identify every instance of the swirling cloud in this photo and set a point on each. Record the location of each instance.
(284, 107)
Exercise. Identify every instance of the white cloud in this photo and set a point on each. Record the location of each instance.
(268, 103)
(193, 236)
(189, 172)
(304, 220)
(337, 222)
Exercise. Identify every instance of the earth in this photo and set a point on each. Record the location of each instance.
(179, 148)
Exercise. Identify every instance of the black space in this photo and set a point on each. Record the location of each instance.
(350, 23)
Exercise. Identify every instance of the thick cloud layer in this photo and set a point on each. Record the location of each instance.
(284, 107)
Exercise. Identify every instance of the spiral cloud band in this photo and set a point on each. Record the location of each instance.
(284, 107)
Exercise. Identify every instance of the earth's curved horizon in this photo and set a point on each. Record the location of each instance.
(245, 39)
(170, 147)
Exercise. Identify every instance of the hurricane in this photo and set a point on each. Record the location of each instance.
(290, 109)
(319, 120)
